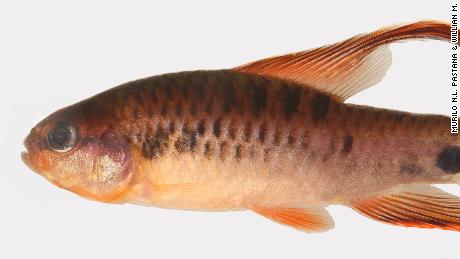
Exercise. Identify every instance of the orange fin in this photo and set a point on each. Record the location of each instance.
(419, 206)
(348, 67)
(304, 219)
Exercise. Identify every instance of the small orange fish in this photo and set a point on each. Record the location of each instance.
(273, 136)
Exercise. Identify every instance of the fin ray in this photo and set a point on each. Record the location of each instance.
(314, 219)
(413, 206)
(348, 67)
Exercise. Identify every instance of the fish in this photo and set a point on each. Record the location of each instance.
(273, 136)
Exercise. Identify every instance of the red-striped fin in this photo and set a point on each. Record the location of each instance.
(421, 207)
(348, 67)
(314, 219)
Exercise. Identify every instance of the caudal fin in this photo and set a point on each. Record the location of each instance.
(348, 67)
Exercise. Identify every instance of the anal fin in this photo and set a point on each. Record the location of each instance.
(315, 219)
(415, 206)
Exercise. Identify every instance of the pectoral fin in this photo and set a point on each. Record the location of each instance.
(419, 206)
(348, 67)
(315, 219)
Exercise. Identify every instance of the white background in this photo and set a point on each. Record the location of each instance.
(53, 54)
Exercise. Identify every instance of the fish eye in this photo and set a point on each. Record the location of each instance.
(62, 137)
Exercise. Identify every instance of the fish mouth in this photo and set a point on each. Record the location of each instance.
(25, 158)
(24, 154)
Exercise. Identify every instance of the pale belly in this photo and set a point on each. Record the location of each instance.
(290, 177)
(206, 184)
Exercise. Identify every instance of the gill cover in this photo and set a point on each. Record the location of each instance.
(111, 168)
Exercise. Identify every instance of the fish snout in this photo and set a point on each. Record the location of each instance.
(32, 140)
(31, 148)
(27, 142)
(25, 158)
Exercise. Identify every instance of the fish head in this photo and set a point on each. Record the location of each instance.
(76, 149)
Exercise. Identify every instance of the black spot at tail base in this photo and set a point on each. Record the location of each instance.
(449, 160)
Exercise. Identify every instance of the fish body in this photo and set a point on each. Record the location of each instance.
(242, 139)
(273, 136)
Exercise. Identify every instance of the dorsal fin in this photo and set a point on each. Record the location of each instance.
(348, 67)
